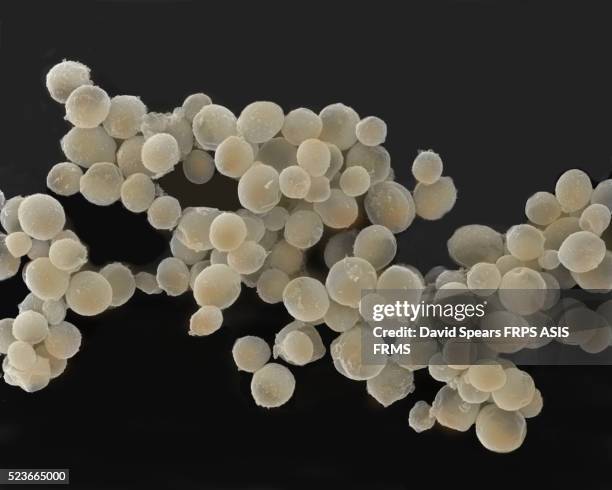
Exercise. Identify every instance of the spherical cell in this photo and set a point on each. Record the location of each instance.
(101, 184)
(517, 392)
(542, 208)
(129, 157)
(522, 291)
(313, 155)
(275, 219)
(525, 242)
(487, 376)
(452, 412)
(63, 78)
(336, 161)
(68, 254)
(559, 230)
(548, 260)
(260, 121)
(598, 279)
(217, 285)
(41, 216)
(87, 106)
(427, 167)
(122, 282)
(375, 159)
(45, 280)
(582, 251)
(88, 146)
(271, 284)
(198, 167)
(63, 341)
(160, 153)
(89, 293)
(234, 157)
(247, 258)
(339, 211)
(341, 318)
(137, 193)
(31, 327)
(213, 124)
(258, 189)
(433, 201)
(207, 320)
(339, 123)
(39, 249)
(306, 299)
(173, 276)
(392, 384)
(371, 131)
(63, 179)
(377, 245)
(595, 218)
(18, 243)
(303, 229)
(319, 190)
(164, 213)
(347, 278)
(296, 348)
(401, 277)
(250, 353)
(124, 117)
(272, 385)
(54, 311)
(483, 278)
(227, 232)
(500, 431)
(602, 194)
(193, 104)
(471, 244)
(301, 124)
(294, 182)
(573, 190)
(390, 205)
(21, 355)
(355, 181)
(419, 417)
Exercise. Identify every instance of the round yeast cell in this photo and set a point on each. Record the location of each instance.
(258, 189)
(247, 258)
(339, 211)
(390, 205)
(347, 278)
(217, 285)
(375, 159)
(21, 355)
(303, 229)
(45, 280)
(525, 242)
(122, 282)
(573, 190)
(101, 184)
(542, 208)
(306, 299)
(227, 232)
(427, 167)
(207, 320)
(582, 251)
(294, 182)
(68, 254)
(63, 341)
(164, 213)
(313, 155)
(260, 121)
(198, 167)
(595, 218)
(371, 131)
(471, 244)
(271, 284)
(193, 104)
(301, 124)
(137, 193)
(433, 201)
(339, 123)
(173, 276)
(41, 216)
(500, 431)
(376, 244)
(355, 181)
(87, 106)
(88, 146)
(160, 153)
(250, 353)
(89, 293)
(272, 385)
(63, 78)
(129, 157)
(18, 243)
(31, 327)
(124, 116)
(234, 156)
(63, 179)
(517, 392)
(213, 124)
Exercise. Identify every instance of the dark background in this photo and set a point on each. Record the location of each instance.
(511, 94)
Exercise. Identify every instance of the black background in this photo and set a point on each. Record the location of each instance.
(510, 93)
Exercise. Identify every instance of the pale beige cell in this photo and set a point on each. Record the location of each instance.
(377, 245)
(213, 124)
(517, 392)
(392, 384)
(452, 412)
(129, 157)
(64, 341)
(371, 131)
(559, 230)
(483, 278)
(56, 366)
(147, 283)
(301, 124)
(535, 406)
(433, 201)
(247, 258)
(525, 242)
(217, 285)
(595, 218)
(250, 353)
(275, 219)
(313, 155)
(89, 293)
(375, 159)
(306, 299)
(420, 418)
(207, 320)
(164, 213)
(31, 327)
(68, 254)
(258, 189)
(227, 232)
(54, 311)
(341, 318)
(137, 193)
(260, 121)
(9, 218)
(427, 167)
(122, 282)
(355, 181)
(500, 431)
(336, 161)
(294, 182)
(41, 216)
(124, 116)
(573, 190)
(193, 104)
(271, 284)
(21, 355)
(319, 190)
(469, 393)
(390, 205)
(303, 229)
(347, 278)
(339, 211)
(18, 243)
(63, 179)
(6, 334)
(88, 146)
(45, 280)
(173, 276)
(598, 279)
(339, 124)
(62, 79)
(549, 259)
(234, 157)
(522, 291)
(272, 385)
(349, 350)
(101, 184)
(160, 153)
(87, 106)
(582, 251)
(471, 244)
(286, 257)
(542, 208)
(487, 375)
(602, 194)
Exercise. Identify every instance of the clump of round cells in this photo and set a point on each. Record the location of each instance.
(582, 251)
(573, 190)
(63, 341)
(173, 276)
(303, 229)
(101, 184)
(122, 282)
(18, 243)
(375, 159)
(487, 376)
(207, 320)
(234, 157)
(339, 123)
(272, 385)
(164, 213)
(294, 182)
(419, 417)
(258, 189)
(31, 327)
(390, 205)
(595, 218)
(137, 193)
(41, 216)
(227, 232)
(68, 254)
(517, 392)
(355, 181)
(271, 284)
(542, 208)
(427, 167)
(198, 167)
(124, 117)
(371, 131)
(435, 200)
(247, 258)
(525, 242)
(301, 124)
(260, 121)
(377, 245)
(45, 280)
(213, 124)
(306, 299)
(64, 178)
(250, 353)
(193, 104)
(347, 278)
(217, 285)
(339, 211)
(89, 293)
(471, 244)
(319, 190)
(160, 153)
(87, 106)
(21, 355)
(65, 77)
(313, 155)
(129, 157)
(483, 278)
(392, 384)
(452, 412)
(500, 431)
(275, 219)
(88, 146)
